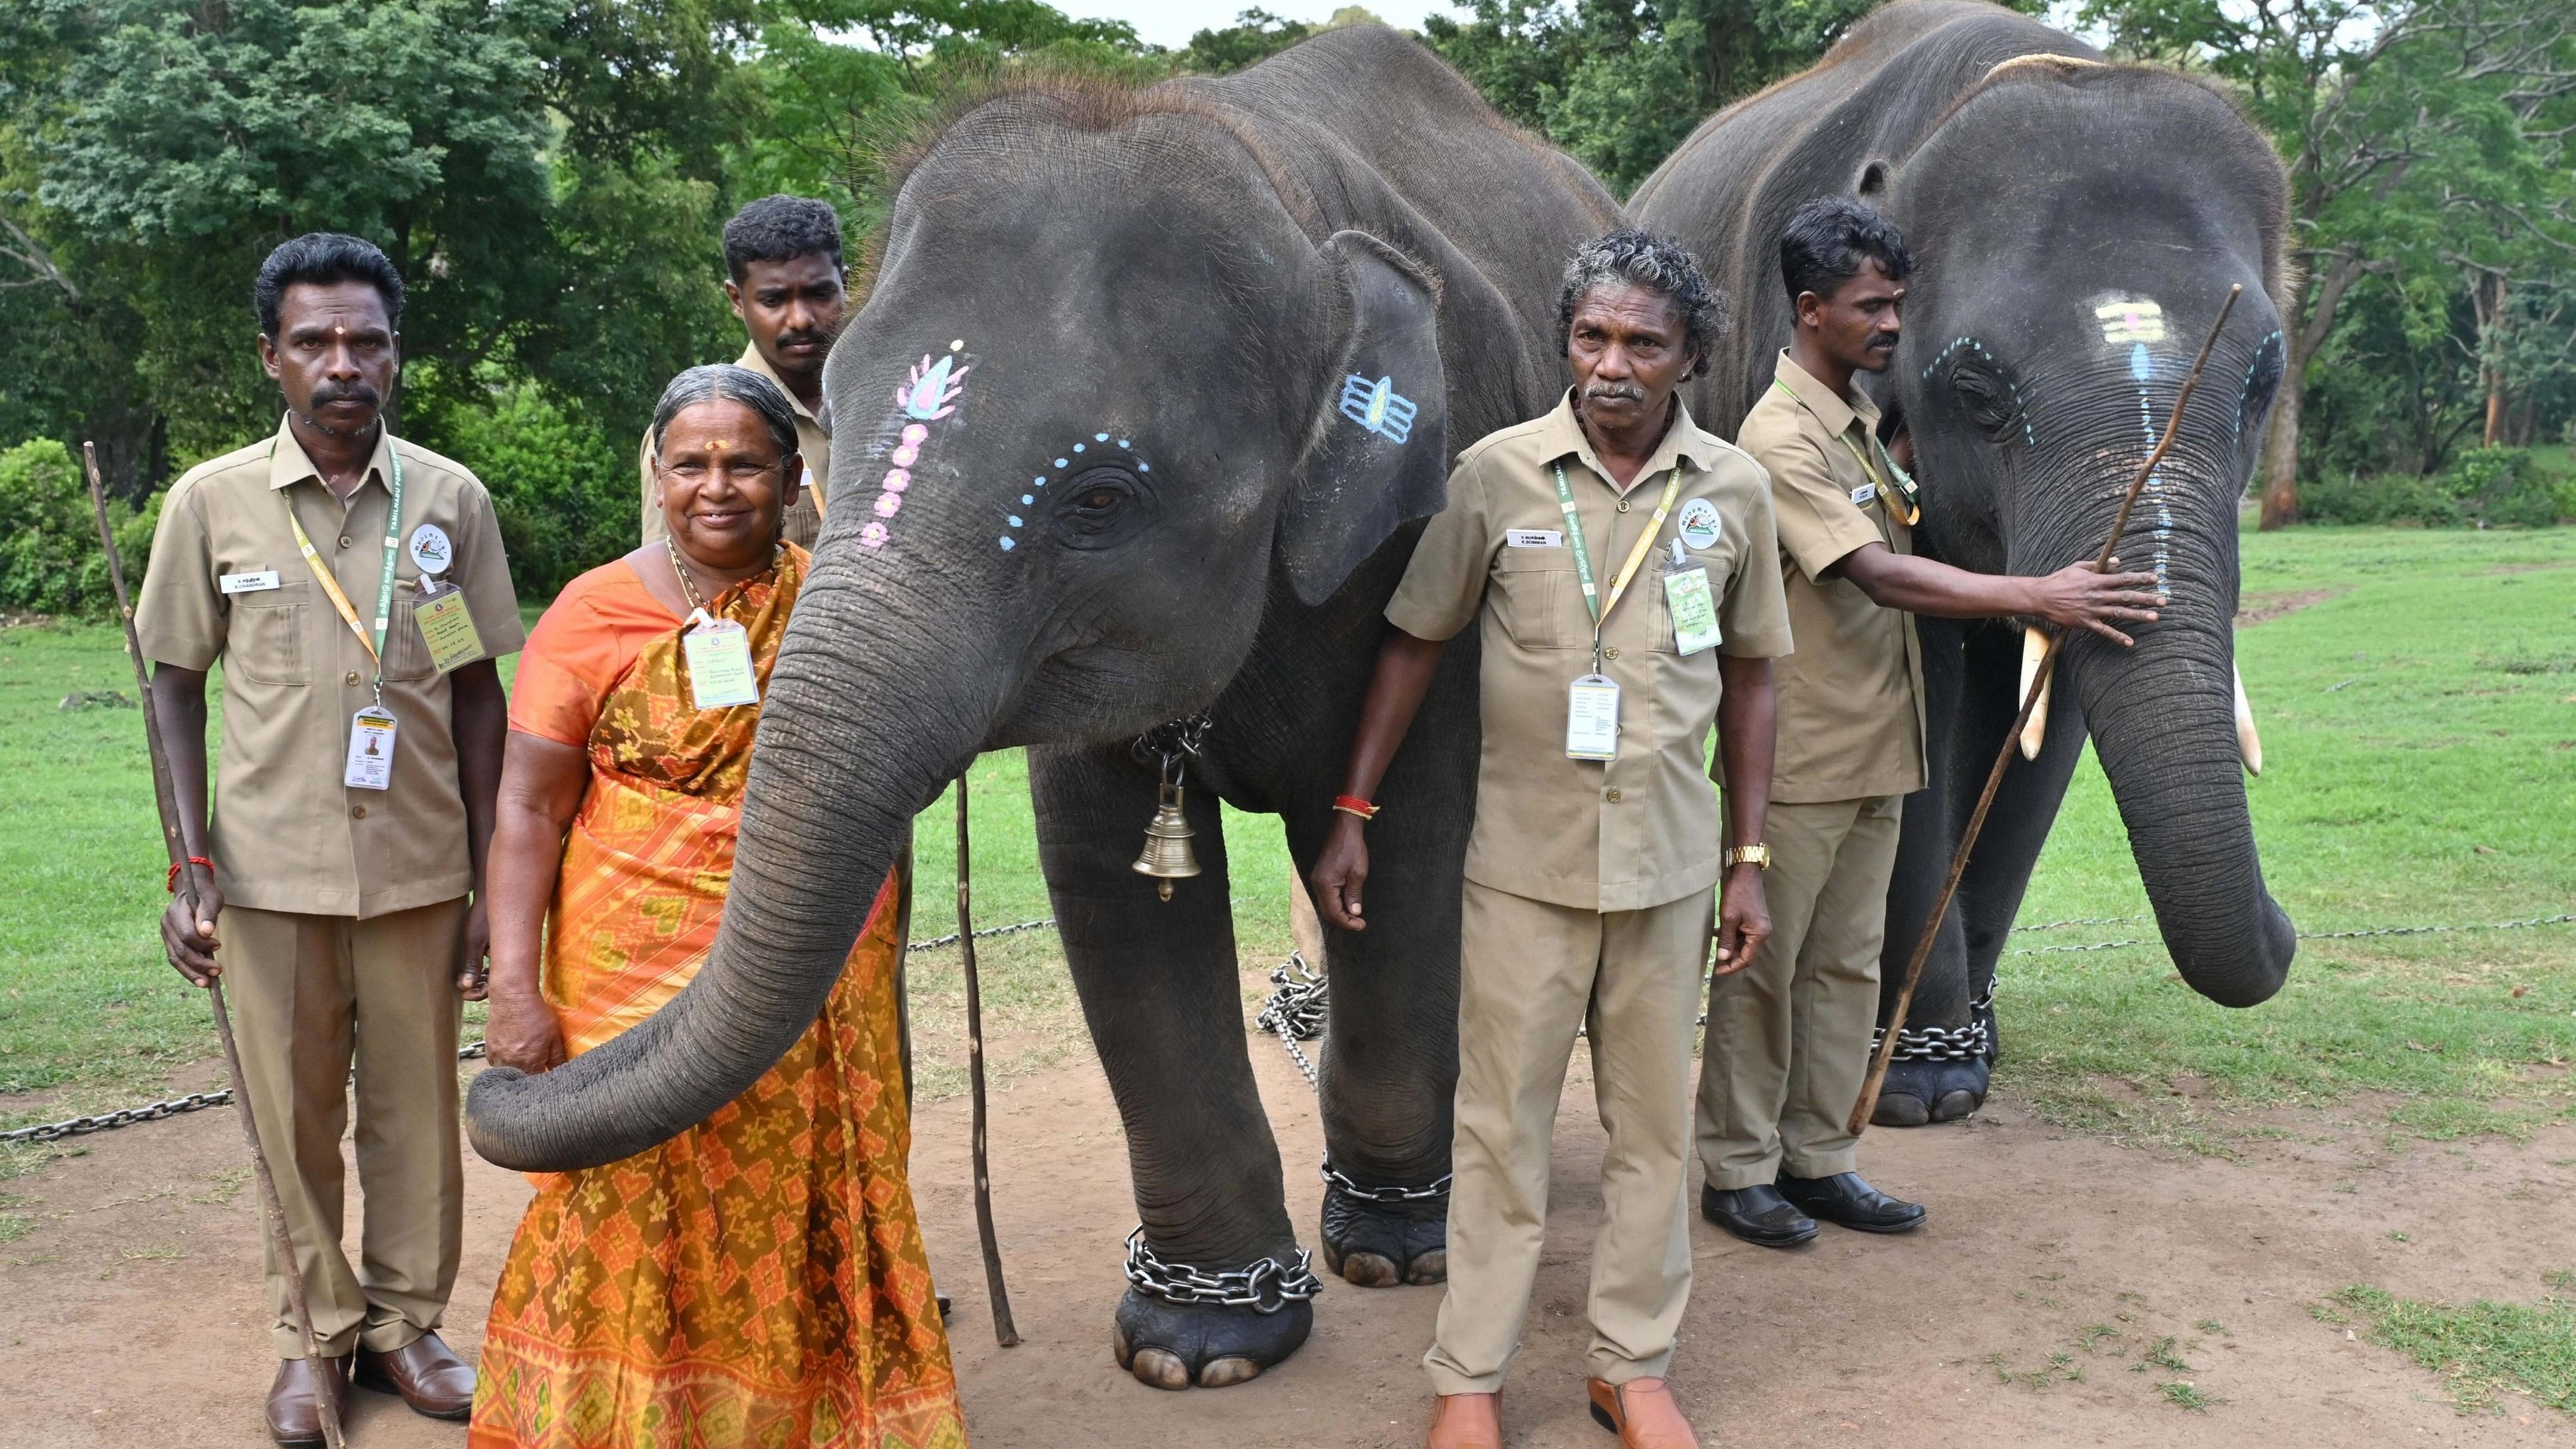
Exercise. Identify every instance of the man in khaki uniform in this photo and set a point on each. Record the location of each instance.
(363, 728)
(788, 286)
(1587, 897)
(1789, 1038)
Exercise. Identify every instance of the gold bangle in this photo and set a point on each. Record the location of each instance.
(1757, 856)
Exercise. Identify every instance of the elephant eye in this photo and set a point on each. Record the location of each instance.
(2262, 376)
(1989, 400)
(1100, 506)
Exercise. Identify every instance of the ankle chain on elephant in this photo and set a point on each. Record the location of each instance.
(1339, 1180)
(1264, 1285)
(1946, 1043)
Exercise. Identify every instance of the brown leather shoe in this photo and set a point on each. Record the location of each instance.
(294, 1412)
(1468, 1421)
(1642, 1413)
(428, 1375)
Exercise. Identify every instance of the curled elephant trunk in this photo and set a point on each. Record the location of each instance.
(2163, 721)
(825, 814)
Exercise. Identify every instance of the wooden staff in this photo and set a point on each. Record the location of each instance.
(1869, 1087)
(1004, 1332)
(166, 795)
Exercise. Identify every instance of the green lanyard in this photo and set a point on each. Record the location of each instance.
(375, 645)
(1904, 492)
(1592, 602)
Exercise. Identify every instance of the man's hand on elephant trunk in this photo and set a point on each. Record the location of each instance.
(188, 929)
(2077, 597)
(1340, 872)
(1743, 920)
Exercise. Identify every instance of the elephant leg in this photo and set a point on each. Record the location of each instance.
(1159, 990)
(1390, 1065)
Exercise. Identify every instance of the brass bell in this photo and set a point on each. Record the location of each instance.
(1167, 856)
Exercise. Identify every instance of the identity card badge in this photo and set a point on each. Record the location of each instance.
(1592, 719)
(719, 658)
(447, 625)
(371, 749)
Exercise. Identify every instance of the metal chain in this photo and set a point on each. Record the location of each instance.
(155, 1111)
(1294, 1012)
(1945, 1043)
(1264, 1285)
(935, 942)
(2077, 921)
(1334, 1177)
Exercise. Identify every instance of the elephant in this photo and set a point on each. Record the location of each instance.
(1155, 389)
(2076, 226)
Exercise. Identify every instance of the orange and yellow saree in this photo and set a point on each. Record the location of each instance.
(758, 1279)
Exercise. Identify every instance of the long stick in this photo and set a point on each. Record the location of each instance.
(165, 794)
(1005, 1332)
(1877, 1078)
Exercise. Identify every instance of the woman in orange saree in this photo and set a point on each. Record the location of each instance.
(758, 1279)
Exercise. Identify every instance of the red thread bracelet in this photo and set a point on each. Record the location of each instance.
(172, 884)
(1354, 805)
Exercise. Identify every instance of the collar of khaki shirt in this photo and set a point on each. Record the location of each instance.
(1564, 437)
(1837, 413)
(288, 464)
(752, 359)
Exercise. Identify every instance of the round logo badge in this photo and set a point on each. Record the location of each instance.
(1698, 524)
(431, 550)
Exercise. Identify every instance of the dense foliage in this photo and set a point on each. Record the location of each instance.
(551, 176)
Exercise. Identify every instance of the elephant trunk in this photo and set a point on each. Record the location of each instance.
(845, 758)
(2163, 721)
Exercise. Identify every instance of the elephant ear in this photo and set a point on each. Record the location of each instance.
(1378, 455)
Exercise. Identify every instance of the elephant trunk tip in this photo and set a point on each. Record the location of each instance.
(2239, 973)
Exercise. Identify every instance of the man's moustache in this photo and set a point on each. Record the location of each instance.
(800, 339)
(1603, 391)
(357, 393)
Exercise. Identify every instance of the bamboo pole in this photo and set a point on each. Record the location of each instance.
(166, 795)
(1877, 1078)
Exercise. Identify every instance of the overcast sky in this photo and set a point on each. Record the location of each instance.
(1172, 22)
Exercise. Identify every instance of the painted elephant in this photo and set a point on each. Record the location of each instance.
(2076, 227)
(1151, 392)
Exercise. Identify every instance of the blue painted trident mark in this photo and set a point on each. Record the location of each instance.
(1378, 407)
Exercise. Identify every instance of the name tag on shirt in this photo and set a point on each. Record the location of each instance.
(1592, 719)
(719, 657)
(1864, 495)
(371, 750)
(250, 583)
(1533, 538)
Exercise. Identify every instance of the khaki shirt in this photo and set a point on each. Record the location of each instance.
(1851, 698)
(1640, 830)
(288, 835)
(804, 522)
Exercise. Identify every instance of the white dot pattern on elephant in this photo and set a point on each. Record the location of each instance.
(1041, 480)
(2027, 436)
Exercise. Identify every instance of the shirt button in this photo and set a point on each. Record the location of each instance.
(358, 812)
(353, 676)
(1613, 796)
(344, 538)
(1623, 507)
(1610, 653)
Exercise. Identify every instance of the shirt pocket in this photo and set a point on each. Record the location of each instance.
(406, 652)
(264, 639)
(1534, 591)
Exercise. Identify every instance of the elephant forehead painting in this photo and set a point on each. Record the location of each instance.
(1150, 394)
(2079, 225)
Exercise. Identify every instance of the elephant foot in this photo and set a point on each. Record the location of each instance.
(1378, 1244)
(1175, 1345)
(1923, 1090)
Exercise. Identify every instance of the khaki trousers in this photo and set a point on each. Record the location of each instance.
(1788, 1036)
(307, 993)
(1530, 974)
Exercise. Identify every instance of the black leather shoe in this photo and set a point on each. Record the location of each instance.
(1757, 1214)
(1843, 1198)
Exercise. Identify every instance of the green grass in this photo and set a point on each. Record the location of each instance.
(2415, 773)
(2420, 743)
(2482, 1351)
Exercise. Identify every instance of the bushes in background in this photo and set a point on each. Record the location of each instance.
(50, 561)
(2499, 487)
(565, 492)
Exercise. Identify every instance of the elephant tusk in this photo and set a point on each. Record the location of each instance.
(2033, 645)
(2248, 743)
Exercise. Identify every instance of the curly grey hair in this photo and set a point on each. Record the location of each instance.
(1632, 256)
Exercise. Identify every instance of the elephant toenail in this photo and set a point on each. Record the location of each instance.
(1898, 1110)
(1226, 1372)
(1954, 1105)
(1370, 1270)
(1431, 1267)
(1118, 1345)
(1160, 1368)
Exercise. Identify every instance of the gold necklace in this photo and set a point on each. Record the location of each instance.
(689, 590)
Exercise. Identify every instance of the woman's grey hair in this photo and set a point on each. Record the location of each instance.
(1634, 257)
(736, 384)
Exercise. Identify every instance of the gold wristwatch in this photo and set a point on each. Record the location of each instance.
(1757, 856)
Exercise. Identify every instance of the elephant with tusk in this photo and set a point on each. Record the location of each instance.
(1139, 422)
(2075, 225)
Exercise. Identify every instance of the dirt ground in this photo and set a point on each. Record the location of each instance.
(130, 1315)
